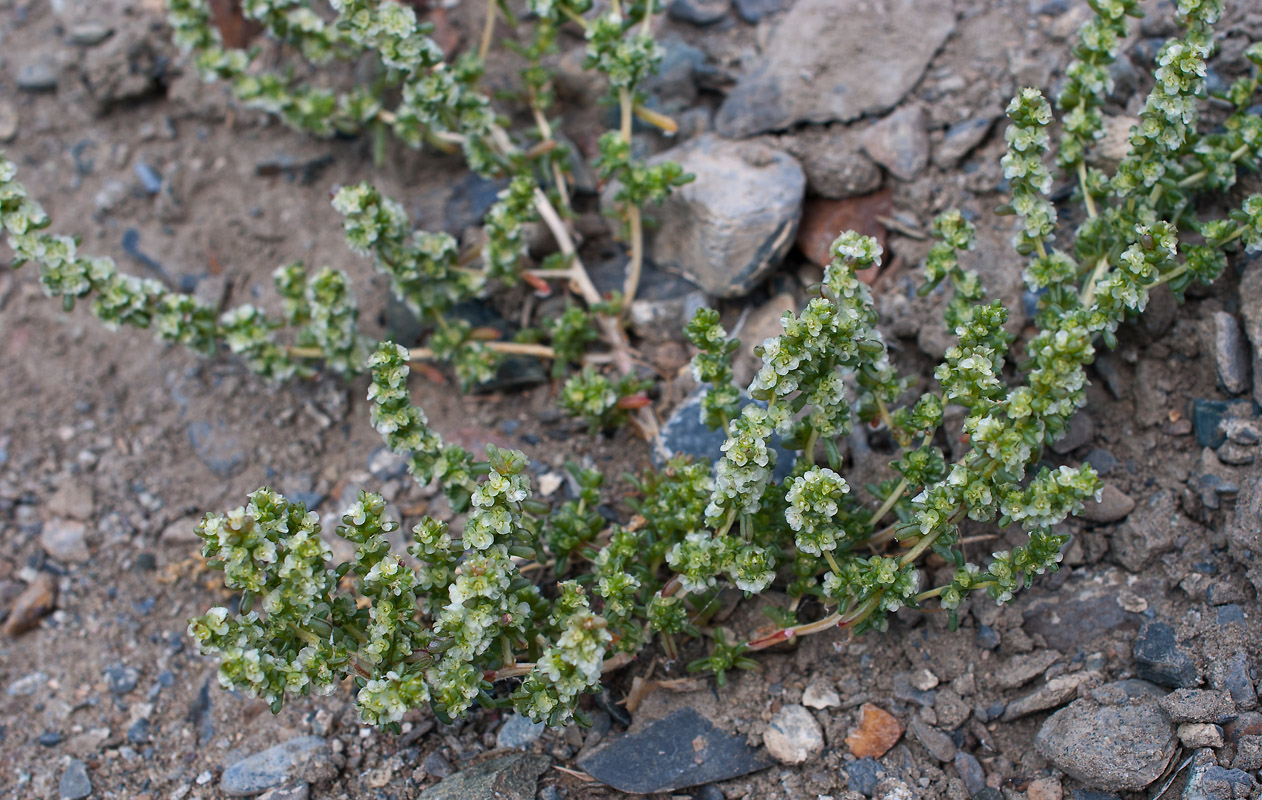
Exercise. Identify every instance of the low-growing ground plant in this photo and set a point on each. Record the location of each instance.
(527, 605)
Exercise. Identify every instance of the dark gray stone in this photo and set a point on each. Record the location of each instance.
(511, 777)
(470, 199)
(685, 434)
(1209, 781)
(1159, 659)
(38, 76)
(709, 792)
(698, 12)
(438, 766)
(1118, 739)
(1248, 753)
(682, 750)
(1151, 529)
(519, 731)
(121, 678)
(960, 140)
(754, 10)
(904, 690)
(723, 241)
(970, 771)
(75, 783)
(49, 739)
(138, 732)
(799, 78)
(1233, 678)
(1078, 433)
(273, 766)
(1231, 354)
(1206, 415)
(935, 741)
(863, 775)
(199, 714)
(987, 637)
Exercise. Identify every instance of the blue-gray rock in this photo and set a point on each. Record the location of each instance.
(385, 464)
(1227, 614)
(863, 775)
(121, 678)
(970, 771)
(989, 793)
(470, 199)
(1209, 781)
(698, 12)
(1117, 739)
(49, 739)
(1089, 794)
(1233, 678)
(1078, 432)
(74, 783)
(217, 447)
(799, 78)
(273, 766)
(899, 143)
(1251, 318)
(987, 637)
(935, 741)
(675, 81)
(960, 140)
(38, 76)
(685, 434)
(150, 178)
(1160, 659)
(721, 240)
(1206, 414)
(754, 10)
(904, 690)
(437, 765)
(510, 777)
(138, 732)
(199, 714)
(519, 731)
(682, 750)
(1231, 354)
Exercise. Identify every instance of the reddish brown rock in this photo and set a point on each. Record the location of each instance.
(878, 731)
(823, 220)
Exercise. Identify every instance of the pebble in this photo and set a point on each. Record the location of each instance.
(88, 34)
(752, 11)
(294, 791)
(820, 695)
(723, 241)
(1248, 753)
(37, 600)
(121, 678)
(273, 766)
(138, 732)
(899, 143)
(1021, 669)
(684, 433)
(1206, 418)
(511, 777)
(682, 750)
(1200, 734)
(782, 87)
(8, 122)
(150, 178)
(27, 685)
(1044, 789)
(793, 736)
(1117, 739)
(38, 76)
(519, 731)
(1198, 705)
(1079, 432)
(1209, 781)
(1230, 354)
(863, 775)
(833, 160)
(438, 766)
(1233, 678)
(877, 731)
(935, 741)
(1160, 659)
(823, 219)
(970, 771)
(960, 140)
(65, 540)
(1113, 506)
(1056, 692)
(74, 783)
(216, 447)
(707, 792)
(50, 739)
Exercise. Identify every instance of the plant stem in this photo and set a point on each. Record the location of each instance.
(889, 502)
(921, 546)
(636, 266)
(507, 348)
(656, 119)
(1087, 199)
(488, 31)
(1088, 291)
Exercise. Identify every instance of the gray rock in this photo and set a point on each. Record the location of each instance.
(1149, 531)
(1209, 781)
(685, 434)
(675, 80)
(899, 143)
(721, 240)
(960, 140)
(1056, 692)
(1114, 505)
(970, 771)
(385, 464)
(1160, 659)
(1021, 669)
(833, 160)
(65, 540)
(75, 783)
(216, 447)
(698, 12)
(663, 305)
(682, 750)
(438, 766)
(121, 678)
(519, 731)
(38, 76)
(1251, 318)
(26, 685)
(1198, 705)
(1231, 354)
(1079, 432)
(935, 741)
(273, 766)
(1244, 531)
(863, 775)
(8, 122)
(1118, 739)
(801, 79)
(752, 11)
(793, 736)
(708, 792)
(138, 732)
(88, 34)
(510, 777)
(291, 791)
(1248, 753)
(1232, 677)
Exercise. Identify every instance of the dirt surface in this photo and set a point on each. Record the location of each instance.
(134, 440)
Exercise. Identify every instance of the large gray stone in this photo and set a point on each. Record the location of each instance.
(837, 60)
(511, 777)
(1118, 739)
(1251, 318)
(273, 766)
(721, 239)
(1244, 532)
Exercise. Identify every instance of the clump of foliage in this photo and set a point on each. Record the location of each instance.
(452, 622)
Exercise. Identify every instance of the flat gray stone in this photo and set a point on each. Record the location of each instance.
(899, 143)
(682, 750)
(519, 731)
(272, 767)
(1231, 354)
(75, 783)
(510, 777)
(837, 60)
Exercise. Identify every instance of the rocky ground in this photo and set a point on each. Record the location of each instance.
(1131, 671)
